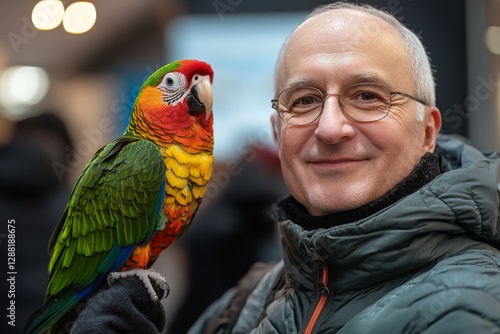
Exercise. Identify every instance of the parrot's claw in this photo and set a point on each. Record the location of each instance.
(145, 276)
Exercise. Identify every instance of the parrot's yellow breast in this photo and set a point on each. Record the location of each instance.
(187, 175)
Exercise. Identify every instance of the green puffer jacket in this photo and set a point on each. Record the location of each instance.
(428, 263)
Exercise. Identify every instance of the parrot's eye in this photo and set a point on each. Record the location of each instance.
(171, 81)
(172, 86)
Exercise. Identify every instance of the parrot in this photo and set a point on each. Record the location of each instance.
(136, 195)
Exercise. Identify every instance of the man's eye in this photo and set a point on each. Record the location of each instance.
(367, 96)
(306, 100)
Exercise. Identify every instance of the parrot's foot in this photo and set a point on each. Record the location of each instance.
(145, 276)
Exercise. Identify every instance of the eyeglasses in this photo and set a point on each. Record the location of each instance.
(360, 102)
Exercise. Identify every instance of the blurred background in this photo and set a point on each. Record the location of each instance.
(69, 75)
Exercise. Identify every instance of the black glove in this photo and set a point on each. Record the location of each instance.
(124, 307)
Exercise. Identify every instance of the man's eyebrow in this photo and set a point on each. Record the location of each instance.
(353, 79)
(367, 78)
(298, 83)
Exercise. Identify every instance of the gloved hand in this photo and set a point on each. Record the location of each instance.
(125, 307)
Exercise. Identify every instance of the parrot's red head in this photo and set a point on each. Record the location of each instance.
(176, 98)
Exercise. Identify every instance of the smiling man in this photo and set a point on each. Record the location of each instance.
(390, 226)
(351, 154)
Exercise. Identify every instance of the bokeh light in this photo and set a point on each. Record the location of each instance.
(79, 17)
(22, 87)
(47, 14)
(492, 39)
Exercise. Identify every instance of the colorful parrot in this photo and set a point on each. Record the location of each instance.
(137, 194)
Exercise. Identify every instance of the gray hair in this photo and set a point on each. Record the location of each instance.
(424, 78)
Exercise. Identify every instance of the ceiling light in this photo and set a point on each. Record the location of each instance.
(47, 14)
(79, 17)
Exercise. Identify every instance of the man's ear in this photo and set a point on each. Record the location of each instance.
(276, 124)
(432, 128)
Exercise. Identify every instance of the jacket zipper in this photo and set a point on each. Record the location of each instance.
(323, 286)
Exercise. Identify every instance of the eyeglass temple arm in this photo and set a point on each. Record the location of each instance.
(411, 97)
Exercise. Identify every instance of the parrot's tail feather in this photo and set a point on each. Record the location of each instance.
(51, 313)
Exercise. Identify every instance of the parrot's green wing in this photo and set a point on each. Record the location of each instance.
(115, 206)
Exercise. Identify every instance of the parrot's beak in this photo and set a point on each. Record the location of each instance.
(201, 99)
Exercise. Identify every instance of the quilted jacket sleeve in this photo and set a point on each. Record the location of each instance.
(460, 295)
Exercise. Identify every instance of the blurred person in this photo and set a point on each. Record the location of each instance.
(33, 196)
(391, 227)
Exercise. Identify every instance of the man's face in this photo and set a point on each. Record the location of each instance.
(336, 163)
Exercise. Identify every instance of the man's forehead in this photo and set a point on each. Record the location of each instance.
(344, 14)
(348, 24)
(346, 30)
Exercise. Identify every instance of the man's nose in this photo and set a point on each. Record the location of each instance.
(333, 126)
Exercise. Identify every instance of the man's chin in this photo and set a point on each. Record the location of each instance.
(333, 204)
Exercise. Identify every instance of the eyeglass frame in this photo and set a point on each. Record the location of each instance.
(275, 106)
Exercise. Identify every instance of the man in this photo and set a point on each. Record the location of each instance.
(390, 228)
